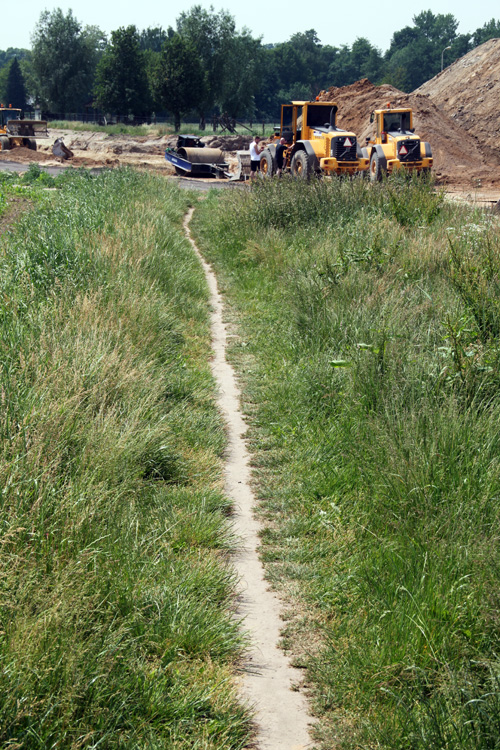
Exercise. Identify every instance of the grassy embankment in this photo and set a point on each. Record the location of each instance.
(159, 129)
(369, 347)
(115, 592)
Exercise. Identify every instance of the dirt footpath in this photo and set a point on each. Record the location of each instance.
(269, 683)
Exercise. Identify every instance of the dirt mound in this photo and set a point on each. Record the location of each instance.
(458, 155)
(229, 142)
(24, 155)
(469, 92)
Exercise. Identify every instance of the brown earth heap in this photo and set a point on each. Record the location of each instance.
(469, 92)
(460, 157)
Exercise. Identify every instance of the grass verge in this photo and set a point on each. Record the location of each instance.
(368, 346)
(115, 590)
(159, 129)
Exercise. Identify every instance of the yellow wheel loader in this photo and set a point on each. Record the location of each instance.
(395, 145)
(17, 132)
(315, 145)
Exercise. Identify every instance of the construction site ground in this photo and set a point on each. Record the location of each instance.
(456, 112)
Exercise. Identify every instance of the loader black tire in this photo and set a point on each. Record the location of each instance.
(32, 144)
(376, 171)
(4, 143)
(267, 165)
(301, 165)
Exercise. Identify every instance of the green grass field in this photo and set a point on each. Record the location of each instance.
(368, 342)
(158, 129)
(116, 594)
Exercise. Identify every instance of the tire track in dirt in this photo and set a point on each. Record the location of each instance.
(280, 711)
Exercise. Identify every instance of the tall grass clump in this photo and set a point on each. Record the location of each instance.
(368, 345)
(116, 597)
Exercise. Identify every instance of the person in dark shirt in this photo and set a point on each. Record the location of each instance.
(280, 153)
(279, 156)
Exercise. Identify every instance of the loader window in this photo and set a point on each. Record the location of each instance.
(287, 118)
(9, 114)
(396, 122)
(392, 122)
(405, 121)
(319, 116)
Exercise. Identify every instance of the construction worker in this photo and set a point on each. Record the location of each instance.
(255, 151)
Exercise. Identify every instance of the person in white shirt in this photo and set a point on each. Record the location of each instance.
(255, 151)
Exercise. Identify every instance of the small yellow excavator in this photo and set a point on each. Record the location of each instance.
(15, 131)
(395, 145)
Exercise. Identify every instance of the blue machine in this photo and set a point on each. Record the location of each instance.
(192, 158)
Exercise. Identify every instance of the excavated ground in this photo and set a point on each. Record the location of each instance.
(94, 150)
(456, 112)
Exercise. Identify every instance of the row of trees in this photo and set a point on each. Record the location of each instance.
(206, 65)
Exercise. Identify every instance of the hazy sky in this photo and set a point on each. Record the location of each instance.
(335, 22)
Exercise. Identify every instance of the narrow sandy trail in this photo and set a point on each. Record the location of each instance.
(280, 711)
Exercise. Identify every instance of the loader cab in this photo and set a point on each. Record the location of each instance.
(308, 119)
(8, 113)
(392, 122)
(321, 117)
(397, 122)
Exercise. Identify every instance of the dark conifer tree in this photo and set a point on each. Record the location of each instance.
(16, 90)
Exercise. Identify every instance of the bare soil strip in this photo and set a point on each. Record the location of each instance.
(269, 683)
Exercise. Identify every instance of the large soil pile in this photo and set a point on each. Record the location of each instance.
(459, 156)
(469, 92)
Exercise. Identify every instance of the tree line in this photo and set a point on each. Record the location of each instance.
(205, 66)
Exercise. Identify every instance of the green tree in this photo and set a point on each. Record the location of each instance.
(211, 36)
(4, 74)
(414, 55)
(63, 62)
(121, 81)
(180, 80)
(297, 62)
(367, 61)
(490, 30)
(6, 56)
(16, 90)
(153, 38)
(243, 76)
(299, 69)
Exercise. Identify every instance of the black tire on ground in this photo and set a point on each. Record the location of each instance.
(32, 144)
(4, 143)
(267, 165)
(375, 168)
(301, 165)
(180, 172)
